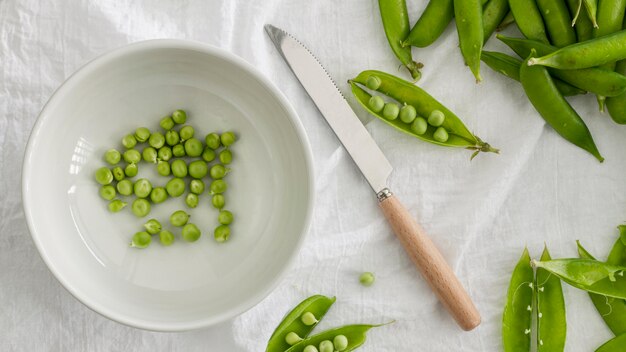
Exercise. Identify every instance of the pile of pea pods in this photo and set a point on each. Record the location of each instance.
(539, 292)
(292, 334)
(178, 154)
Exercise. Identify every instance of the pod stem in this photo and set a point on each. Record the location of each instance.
(414, 69)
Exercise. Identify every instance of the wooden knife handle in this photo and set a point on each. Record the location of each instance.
(430, 263)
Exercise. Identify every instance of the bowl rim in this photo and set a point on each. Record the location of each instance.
(103, 59)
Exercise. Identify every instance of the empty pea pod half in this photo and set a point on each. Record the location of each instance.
(449, 131)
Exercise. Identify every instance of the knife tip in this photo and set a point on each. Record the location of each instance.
(271, 30)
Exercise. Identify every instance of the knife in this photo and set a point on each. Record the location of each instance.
(376, 169)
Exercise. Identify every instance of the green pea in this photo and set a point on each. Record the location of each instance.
(367, 279)
(308, 319)
(175, 187)
(391, 111)
(149, 154)
(218, 201)
(142, 134)
(166, 237)
(157, 140)
(129, 141)
(196, 186)
(292, 338)
(116, 205)
(419, 126)
(225, 217)
(198, 169)
(153, 226)
(163, 168)
(186, 132)
(118, 173)
(107, 192)
(436, 118)
(190, 233)
(179, 116)
(132, 156)
(408, 114)
(228, 139)
(158, 195)
(221, 233)
(310, 348)
(179, 168)
(373, 82)
(191, 200)
(218, 171)
(131, 170)
(327, 346)
(142, 188)
(165, 153)
(376, 103)
(218, 187)
(340, 342)
(104, 176)
(167, 123)
(125, 187)
(441, 135)
(112, 156)
(178, 150)
(141, 207)
(208, 154)
(141, 240)
(212, 140)
(193, 147)
(226, 156)
(172, 138)
(179, 218)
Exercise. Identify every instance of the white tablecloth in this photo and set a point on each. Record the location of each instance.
(481, 213)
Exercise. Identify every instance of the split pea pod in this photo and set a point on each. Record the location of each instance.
(557, 21)
(591, 53)
(554, 109)
(517, 318)
(593, 80)
(529, 20)
(431, 24)
(355, 334)
(582, 24)
(614, 345)
(551, 322)
(396, 24)
(317, 305)
(509, 66)
(407, 93)
(494, 13)
(612, 310)
(469, 25)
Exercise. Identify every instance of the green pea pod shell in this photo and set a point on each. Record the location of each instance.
(591, 8)
(614, 345)
(494, 13)
(529, 20)
(551, 323)
(612, 310)
(431, 24)
(406, 92)
(555, 110)
(582, 24)
(617, 105)
(506, 21)
(396, 24)
(593, 80)
(356, 335)
(318, 305)
(469, 25)
(557, 21)
(509, 66)
(517, 318)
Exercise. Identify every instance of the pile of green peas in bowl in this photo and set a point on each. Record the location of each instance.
(176, 152)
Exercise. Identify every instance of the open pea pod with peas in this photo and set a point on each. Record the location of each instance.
(343, 339)
(420, 116)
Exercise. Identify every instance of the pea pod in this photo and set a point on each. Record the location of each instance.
(406, 92)
(551, 323)
(494, 13)
(509, 66)
(431, 24)
(593, 80)
(396, 23)
(318, 305)
(506, 21)
(356, 335)
(557, 21)
(591, 7)
(614, 345)
(554, 109)
(612, 310)
(517, 318)
(528, 19)
(469, 25)
(582, 24)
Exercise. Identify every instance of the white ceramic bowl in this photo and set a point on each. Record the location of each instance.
(187, 285)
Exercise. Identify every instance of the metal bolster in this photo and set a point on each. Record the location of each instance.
(384, 194)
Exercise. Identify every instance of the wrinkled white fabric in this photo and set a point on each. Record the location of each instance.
(480, 213)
